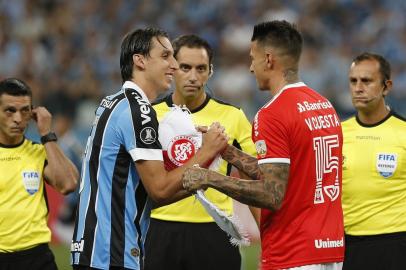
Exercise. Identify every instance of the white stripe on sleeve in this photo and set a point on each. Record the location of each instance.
(146, 154)
(274, 160)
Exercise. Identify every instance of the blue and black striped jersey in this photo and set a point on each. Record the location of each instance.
(114, 209)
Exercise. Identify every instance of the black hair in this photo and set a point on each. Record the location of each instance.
(15, 87)
(384, 66)
(192, 41)
(137, 42)
(281, 35)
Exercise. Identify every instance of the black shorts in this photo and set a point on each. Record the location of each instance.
(375, 252)
(36, 258)
(181, 245)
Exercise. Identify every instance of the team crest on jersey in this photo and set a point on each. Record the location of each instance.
(181, 148)
(135, 252)
(31, 180)
(148, 135)
(261, 148)
(386, 164)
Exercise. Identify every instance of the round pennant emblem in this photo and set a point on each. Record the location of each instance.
(181, 149)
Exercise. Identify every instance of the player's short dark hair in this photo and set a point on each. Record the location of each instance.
(281, 35)
(384, 66)
(137, 42)
(14, 87)
(192, 41)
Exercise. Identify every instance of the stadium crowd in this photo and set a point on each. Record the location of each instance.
(68, 50)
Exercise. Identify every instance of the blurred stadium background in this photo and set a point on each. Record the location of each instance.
(68, 51)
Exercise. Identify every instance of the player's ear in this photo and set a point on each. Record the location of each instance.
(211, 70)
(139, 61)
(387, 86)
(269, 59)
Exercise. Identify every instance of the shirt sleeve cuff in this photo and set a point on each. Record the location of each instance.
(146, 154)
(274, 160)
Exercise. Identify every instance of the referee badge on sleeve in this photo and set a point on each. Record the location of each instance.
(31, 180)
(386, 164)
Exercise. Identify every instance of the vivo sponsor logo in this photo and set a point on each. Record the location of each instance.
(144, 108)
(322, 121)
(77, 246)
(108, 103)
(311, 106)
(320, 243)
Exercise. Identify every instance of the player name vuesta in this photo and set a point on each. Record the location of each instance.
(322, 121)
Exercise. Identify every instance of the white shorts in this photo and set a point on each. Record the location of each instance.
(323, 266)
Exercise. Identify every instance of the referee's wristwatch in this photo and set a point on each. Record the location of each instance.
(50, 137)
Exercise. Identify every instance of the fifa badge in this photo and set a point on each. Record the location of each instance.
(386, 164)
(31, 180)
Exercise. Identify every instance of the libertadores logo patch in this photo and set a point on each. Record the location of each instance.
(148, 135)
(261, 148)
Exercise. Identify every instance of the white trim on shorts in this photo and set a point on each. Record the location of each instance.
(323, 266)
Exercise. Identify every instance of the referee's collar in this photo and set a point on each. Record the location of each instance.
(169, 102)
(132, 85)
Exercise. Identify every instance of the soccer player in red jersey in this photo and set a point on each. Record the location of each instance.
(299, 159)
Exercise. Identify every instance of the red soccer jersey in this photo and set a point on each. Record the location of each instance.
(300, 127)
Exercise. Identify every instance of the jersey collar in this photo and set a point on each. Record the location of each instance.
(13, 145)
(375, 124)
(169, 102)
(291, 85)
(132, 85)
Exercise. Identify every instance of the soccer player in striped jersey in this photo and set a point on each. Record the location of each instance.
(374, 171)
(123, 173)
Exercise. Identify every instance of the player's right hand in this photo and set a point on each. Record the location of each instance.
(215, 140)
(202, 129)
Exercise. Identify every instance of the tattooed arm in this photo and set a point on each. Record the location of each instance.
(242, 161)
(255, 211)
(268, 192)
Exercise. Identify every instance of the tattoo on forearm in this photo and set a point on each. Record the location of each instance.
(268, 193)
(242, 161)
(275, 181)
(202, 176)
